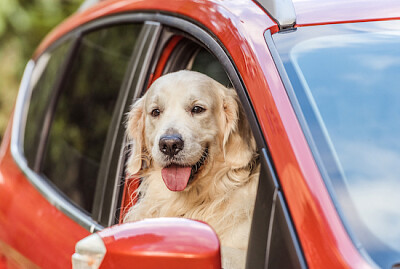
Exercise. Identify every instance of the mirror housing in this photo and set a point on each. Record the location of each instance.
(151, 243)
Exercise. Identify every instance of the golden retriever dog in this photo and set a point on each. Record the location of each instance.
(194, 150)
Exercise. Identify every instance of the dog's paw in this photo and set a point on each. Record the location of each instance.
(233, 258)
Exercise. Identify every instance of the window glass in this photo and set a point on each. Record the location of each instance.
(43, 78)
(345, 80)
(84, 111)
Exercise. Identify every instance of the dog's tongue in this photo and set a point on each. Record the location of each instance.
(176, 177)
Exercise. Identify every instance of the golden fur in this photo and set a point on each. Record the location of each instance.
(223, 191)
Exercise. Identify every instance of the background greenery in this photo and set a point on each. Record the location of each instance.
(23, 24)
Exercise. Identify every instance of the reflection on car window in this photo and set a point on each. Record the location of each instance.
(84, 110)
(348, 88)
(43, 79)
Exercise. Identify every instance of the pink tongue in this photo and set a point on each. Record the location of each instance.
(176, 177)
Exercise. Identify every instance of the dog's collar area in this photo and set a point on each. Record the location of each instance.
(196, 167)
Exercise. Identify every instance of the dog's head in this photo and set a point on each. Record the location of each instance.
(183, 125)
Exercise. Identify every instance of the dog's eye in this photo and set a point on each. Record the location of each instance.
(197, 109)
(155, 113)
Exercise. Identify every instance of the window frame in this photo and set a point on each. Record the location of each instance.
(43, 185)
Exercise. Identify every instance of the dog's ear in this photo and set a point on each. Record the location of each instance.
(238, 144)
(230, 115)
(135, 131)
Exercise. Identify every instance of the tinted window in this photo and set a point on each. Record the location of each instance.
(43, 79)
(84, 110)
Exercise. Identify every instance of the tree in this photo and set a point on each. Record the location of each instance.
(23, 24)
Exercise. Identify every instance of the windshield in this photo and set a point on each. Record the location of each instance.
(345, 87)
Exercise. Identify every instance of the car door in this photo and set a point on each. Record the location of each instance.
(66, 126)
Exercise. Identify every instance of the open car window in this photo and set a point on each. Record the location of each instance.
(267, 237)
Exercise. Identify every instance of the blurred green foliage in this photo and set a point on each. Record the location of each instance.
(23, 24)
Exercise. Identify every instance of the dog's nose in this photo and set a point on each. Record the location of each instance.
(171, 144)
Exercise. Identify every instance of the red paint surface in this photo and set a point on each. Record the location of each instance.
(216, 14)
(29, 224)
(161, 243)
(239, 26)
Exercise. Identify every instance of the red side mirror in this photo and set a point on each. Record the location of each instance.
(152, 243)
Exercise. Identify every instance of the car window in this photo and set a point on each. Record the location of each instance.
(345, 81)
(83, 110)
(43, 79)
(183, 54)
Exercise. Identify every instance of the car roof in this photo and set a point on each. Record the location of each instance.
(282, 13)
(317, 12)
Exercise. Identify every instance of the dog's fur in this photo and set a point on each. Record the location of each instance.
(222, 192)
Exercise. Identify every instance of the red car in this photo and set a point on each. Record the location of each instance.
(317, 79)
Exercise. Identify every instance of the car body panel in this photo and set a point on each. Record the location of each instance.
(48, 243)
(239, 26)
(218, 16)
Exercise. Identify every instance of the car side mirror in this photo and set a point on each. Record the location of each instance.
(151, 243)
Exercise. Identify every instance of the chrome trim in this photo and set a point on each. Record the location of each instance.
(18, 128)
(17, 151)
(282, 11)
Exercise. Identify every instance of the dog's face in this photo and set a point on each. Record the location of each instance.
(182, 124)
(180, 121)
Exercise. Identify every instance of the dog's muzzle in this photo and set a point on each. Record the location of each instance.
(170, 145)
